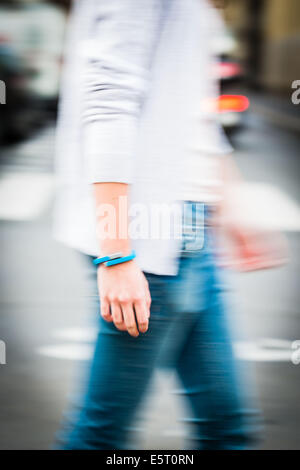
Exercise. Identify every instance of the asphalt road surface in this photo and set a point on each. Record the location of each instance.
(47, 331)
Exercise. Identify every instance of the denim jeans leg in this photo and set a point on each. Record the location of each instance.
(120, 373)
(221, 418)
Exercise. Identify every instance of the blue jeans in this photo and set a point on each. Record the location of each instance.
(188, 331)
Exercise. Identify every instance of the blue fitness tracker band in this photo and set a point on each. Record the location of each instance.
(123, 259)
(106, 258)
(113, 259)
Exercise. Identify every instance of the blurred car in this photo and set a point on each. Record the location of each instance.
(231, 106)
(14, 116)
(31, 39)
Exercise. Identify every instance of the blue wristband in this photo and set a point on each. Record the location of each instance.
(106, 258)
(123, 259)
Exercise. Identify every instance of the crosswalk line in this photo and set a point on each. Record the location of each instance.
(24, 196)
(78, 345)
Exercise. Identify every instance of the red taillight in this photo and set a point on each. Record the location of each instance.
(232, 103)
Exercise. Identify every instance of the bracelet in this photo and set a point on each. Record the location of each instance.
(106, 258)
(113, 259)
(120, 260)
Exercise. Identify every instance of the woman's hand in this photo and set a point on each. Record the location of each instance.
(252, 246)
(124, 297)
(254, 249)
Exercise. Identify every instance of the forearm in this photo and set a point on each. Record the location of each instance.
(124, 293)
(112, 217)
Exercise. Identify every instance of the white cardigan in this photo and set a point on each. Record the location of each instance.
(136, 73)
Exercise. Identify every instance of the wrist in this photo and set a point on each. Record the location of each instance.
(114, 259)
(109, 247)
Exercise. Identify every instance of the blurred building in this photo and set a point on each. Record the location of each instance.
(269, 40)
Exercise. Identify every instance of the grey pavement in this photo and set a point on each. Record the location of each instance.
(45, 324)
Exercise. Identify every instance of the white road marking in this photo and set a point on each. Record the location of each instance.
(79, 346)
(24, 196)
(258, 352)
(266, 207)
(73, 352)
(84, 334)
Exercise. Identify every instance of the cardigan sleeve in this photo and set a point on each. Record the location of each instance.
(116, 77)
